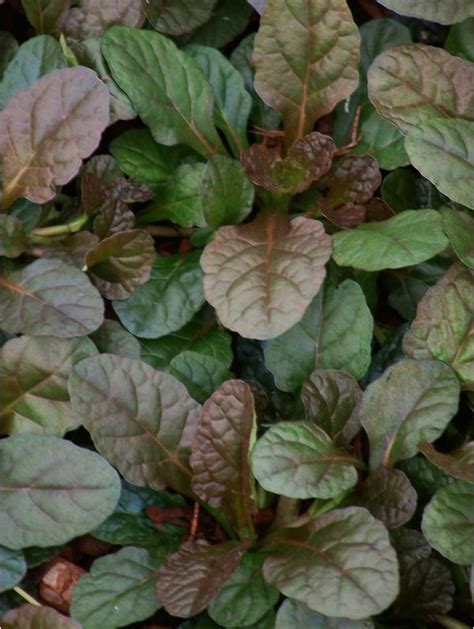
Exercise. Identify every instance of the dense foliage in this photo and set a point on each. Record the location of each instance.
(236, 313)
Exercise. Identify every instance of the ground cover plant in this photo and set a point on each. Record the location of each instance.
(236, 313)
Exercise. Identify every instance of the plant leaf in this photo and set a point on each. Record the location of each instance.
(334, 333)
(178, 281)
(13, 241)
(306, 59)
(389, 496)
(459, 463)
(459, 227)
(8, 49)
(121, 262)
(299, 460)
(112, 338)
(413, 401)
(44, 15)
(46, 131)
(434, 10)
(229, 19)
(260, 277)
(220, 454)
(443, 328)
(118, 590)
(154, 73)
(193, 576)
(295, 614)
(382, 141)
(12, 568)
(34, 373)
(178, 17)
(33, 617)
(48, 297)
(442, 150)
(40, 507)
(459, 41)
(142, 420)
(339, 564)
(332, 399)
(406, 239)
(71, 250)
(448, 522)
(201, 374)
(413, 83)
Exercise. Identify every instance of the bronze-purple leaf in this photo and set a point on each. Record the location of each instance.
(353, 179)
(458, 463)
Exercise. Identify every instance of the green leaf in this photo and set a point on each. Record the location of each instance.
(33, 617)
(295, 614)
(201, 374)
(226, 193)
(378, 35)
(295, 72)
(177, 279)
(410, 545)
(220, 454)
(12, 568)
(448, 522)
(155, 74)
(8, 49)
(342, 563)
(142, 420)
(299, 460)
(442, 150)
(402, 191)
(332, 399)
(381, 140)
(118, 590)
(13, 241)
(229, 19)
(44, 15)
(193, 576)
(260, 277)
(71, 128)
(459, 41)
(389, 496)
(232, 103)
(178, 17)
(34, 372)
(49, 297)
(408, 89)
(35, 58)
(459, 227)
(246, 597)
(121, 262)
(425, 477)
(41, 507)
(406, 239)
(442, 11)
(459, 463)
(112, 338)
(443, 325)
(335, 333)
(413, 401)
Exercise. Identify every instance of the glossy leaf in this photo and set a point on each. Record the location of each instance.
(13, 241)
(177, 17)
(383, 141)
(295, 72)
(154, 74)
(459, 463)
(46, 131)
(142, 420)
(40, 507)
(64, 298)
(112, 338)
(12, 568)
(229, 18)
(459, 40)
(201, 374)
(44, 15)
(406, 239)
(459, 227)
(389, 496)
(434, 10)
(33, 617)
(413, 401)
(295, 614)
(34, 372)
(178, 281)
(443, 328)
(342, 563)
(260, 277)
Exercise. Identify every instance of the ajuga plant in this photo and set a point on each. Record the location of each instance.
(236, 313)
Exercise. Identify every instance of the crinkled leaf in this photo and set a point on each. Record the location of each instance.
(44, 15)
(410, 545)
(260, 277)
(35, 58)
(331, 399)
(334, 333)
(342, 563)
(246, 597)
(41, 507)
(443, 150)
(49, 297)
(306, 59)
(443, 328)
(459, 41)
(177, 279)
(121, 262)
(413, 83)
(448, 522)
(229, 18)
(226, 193)
(442, 11)
(34, 372)
(142, 420)
(220, 453)
(201, 374)
(114, 217)
(177, 17)
(13, 241)
(154, 74)
(192, 577)
(71, 250)
(413, 401)
(112, 338)
(12, 568)
(406, 239)
(299, 460)
(118, 590)
(389, 496)
(46, 131)
(353, 179)
(296, 614)
(459, 228)
(459, 463)
(33, 617)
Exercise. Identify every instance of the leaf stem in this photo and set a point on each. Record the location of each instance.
(21, 592)
(450, 623)
(167, 231)
(57, 230)
(286, 511)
